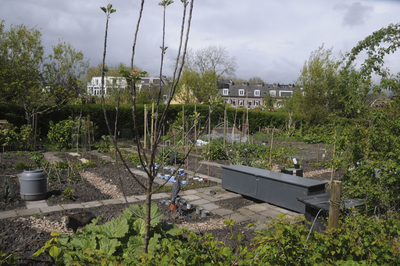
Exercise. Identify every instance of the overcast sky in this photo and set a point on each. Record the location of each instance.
(271, 39)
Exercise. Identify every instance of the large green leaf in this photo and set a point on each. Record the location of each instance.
(108, 246)
(139, 226)
(155, 212)
(154, 243)
(115, 228)
(93, 227)
(134, 245)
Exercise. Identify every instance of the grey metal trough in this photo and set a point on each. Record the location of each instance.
(272, 187)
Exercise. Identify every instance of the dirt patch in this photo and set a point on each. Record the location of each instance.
(237, 203)
(19, 231)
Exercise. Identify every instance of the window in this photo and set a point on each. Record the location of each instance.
(272, 93)
(265, 92)
(225, 91)
(241, 92)
(233, 102)
(249, 103)
(285, 93)
(226, 100)
(257, 93)
(256, 103)
(164, 97)
(97, 82)
(241, 102)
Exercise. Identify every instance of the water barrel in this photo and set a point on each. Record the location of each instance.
(33, 184)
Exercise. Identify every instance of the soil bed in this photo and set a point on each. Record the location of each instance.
(16, 232)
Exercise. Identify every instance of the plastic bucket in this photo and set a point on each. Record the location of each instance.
(33, 184)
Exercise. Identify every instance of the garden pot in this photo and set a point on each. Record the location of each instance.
(189, 205)
(204, 213)
(198, 210)
(33, 184)
(297, 166)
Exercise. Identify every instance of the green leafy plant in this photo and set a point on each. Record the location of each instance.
(217, 152)
(22, 166)
(105, 144)
(60, 133)
(134, 159)
(68, 193)
(7, 189)
(38, 158)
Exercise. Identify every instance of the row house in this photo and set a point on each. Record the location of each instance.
(252, 95)
(94, 87)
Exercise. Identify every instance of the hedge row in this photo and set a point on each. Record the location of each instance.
(257, 119)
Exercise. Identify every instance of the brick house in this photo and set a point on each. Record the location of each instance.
(252, 95)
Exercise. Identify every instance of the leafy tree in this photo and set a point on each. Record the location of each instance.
(256, 80)
(63, 72)
(377, 45)
(318, 81)
(269, 101)
(203, 68)
(28, 79)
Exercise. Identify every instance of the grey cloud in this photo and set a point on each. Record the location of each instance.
(354, 14)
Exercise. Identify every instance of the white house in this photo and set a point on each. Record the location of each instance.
(94, 87)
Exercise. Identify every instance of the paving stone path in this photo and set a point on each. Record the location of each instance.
(262, 213)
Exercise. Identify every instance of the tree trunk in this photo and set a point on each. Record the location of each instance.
(148, 214)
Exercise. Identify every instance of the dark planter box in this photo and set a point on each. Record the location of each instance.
(272, 187)
(319, 202)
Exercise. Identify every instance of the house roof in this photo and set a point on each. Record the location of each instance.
(250, 90)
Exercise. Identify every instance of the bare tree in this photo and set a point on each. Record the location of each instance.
(147, 158)
(213, 58)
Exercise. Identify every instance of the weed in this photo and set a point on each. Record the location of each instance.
(68, 193)
(22, 166)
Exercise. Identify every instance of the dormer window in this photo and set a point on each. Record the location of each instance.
(225, 92)
(241, 92)
(257, 93)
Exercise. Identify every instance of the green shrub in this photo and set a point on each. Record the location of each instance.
(60, 133)
(22, 166)
(217, 152)
(134, 159)
(37, 157)
(68, 193)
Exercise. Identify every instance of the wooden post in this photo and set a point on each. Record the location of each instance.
(145, 126)
(334, 204)
(209, 138)
(152, 126)
(317, 153)
(88, 129)
(333, 157)
(225, 126)
(163, 168)
(270, 151)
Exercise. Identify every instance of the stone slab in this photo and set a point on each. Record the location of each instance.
(91, 204)
(237, 217)
(111, 201)
(28, 211)
(51, 209)
(132, 199)
(72, 206)
(222, 211)
(259, 218)
(191, 192)
(270, 213)
(246, 212)
(210, 206)
(36, 204)
(207, 197)
(223, 196)
(190, 197)
(256, 207)
(7, 214)
(200, 202)
(160, 196)
(141, 197)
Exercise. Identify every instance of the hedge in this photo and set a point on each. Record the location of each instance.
(257, 119)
